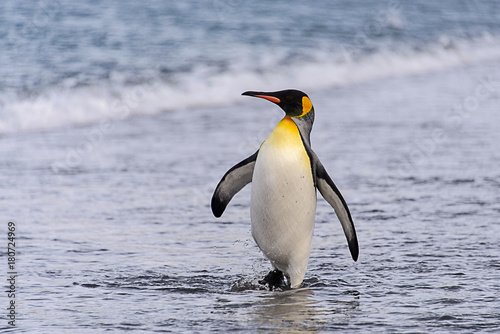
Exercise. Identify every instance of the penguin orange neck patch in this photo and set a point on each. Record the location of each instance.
(306, 106)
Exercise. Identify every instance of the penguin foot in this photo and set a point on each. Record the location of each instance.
(275, 279)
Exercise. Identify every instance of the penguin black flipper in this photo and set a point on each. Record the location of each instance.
(332, 195)
(233, 181)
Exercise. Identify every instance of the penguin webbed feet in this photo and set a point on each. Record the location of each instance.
(275, 279)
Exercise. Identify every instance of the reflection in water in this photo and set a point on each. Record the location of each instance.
(297, 311)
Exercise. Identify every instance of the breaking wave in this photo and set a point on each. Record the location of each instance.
(72, 103)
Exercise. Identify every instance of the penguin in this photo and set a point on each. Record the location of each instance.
(285, 173)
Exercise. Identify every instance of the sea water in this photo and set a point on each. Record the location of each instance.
(117, 120)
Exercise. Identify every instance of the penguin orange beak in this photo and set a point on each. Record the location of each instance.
(263, 95)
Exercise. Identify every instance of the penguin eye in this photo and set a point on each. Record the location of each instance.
(288, 98)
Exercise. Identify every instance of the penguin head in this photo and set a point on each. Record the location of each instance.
(294, 102)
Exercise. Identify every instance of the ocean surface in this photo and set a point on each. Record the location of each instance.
(118, 119)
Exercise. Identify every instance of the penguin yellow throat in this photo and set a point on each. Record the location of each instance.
(285, 135)
(287, 143)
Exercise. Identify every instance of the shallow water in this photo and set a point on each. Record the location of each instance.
(115, 230)
(118, 119)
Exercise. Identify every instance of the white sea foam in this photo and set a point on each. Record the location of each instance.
(68, 104)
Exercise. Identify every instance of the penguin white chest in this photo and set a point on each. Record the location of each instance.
(283, 202)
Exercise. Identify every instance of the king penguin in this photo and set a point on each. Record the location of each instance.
(285, 173)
